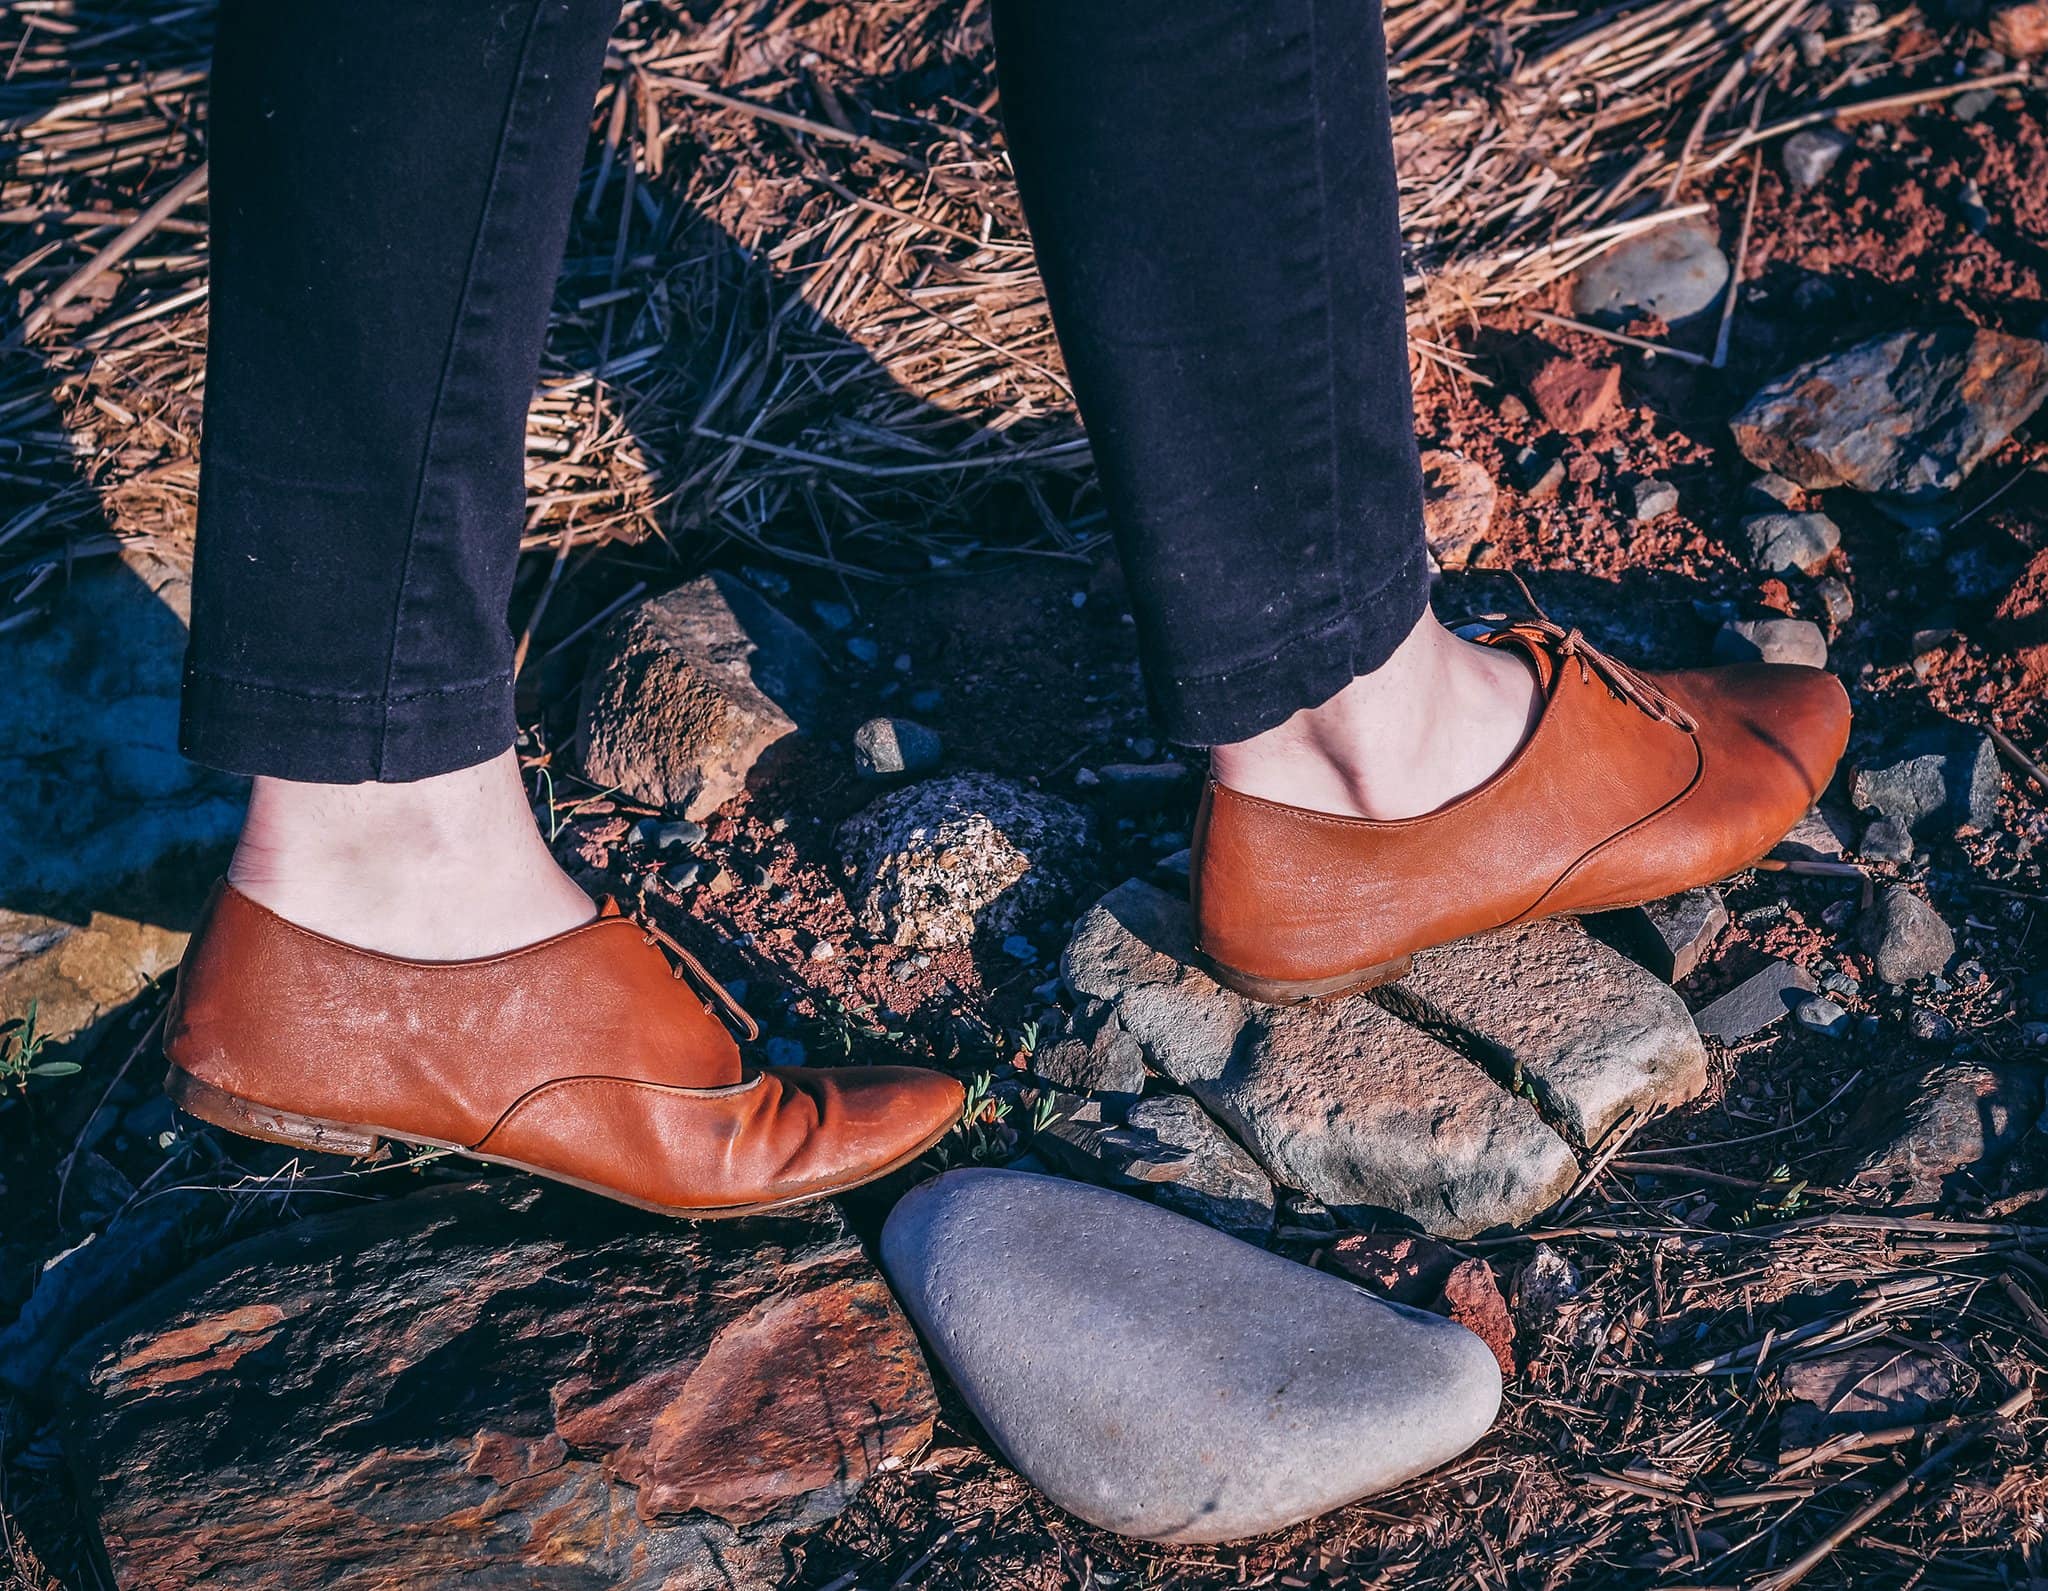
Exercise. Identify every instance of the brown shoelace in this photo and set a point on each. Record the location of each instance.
(689, 966)
(1624, 681)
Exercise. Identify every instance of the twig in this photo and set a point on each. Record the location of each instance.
(131, 237)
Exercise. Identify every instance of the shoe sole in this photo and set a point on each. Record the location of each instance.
(1295, 991)
(247, 1119)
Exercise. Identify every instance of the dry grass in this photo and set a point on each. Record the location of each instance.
(800, 312)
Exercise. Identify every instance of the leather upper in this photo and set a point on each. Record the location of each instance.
(584, 1055)
(1609, 802)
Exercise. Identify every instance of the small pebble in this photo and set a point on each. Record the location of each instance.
(1887, 840)
(864, 649)
(1930, 1026)
(886, 747)
(678, 831)
(824, 950)
(1835, 599)
(1810, 155)
(1652, 499)
(1822, 1015)
(833, 615)
(1020, 948)
(783, 1052)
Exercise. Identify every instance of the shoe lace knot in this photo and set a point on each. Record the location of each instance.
(1624, 681)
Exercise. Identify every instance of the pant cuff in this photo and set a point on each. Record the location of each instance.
(1302, 669)
(240, 726)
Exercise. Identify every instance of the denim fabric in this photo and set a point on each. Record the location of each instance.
(1210, 187)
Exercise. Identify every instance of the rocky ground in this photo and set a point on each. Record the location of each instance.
(1744, 1190)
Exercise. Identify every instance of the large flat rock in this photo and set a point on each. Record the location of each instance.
(1597, 1036)
(1161, 1379)
(494, 1384)
(1339, 1098)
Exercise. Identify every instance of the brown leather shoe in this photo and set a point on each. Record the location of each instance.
(1631, 787)
(585, 1058)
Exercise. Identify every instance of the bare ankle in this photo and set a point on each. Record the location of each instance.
(1437, 720)
(439, 869)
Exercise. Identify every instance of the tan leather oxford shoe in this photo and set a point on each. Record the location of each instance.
(586, 1058)
(1631, 787)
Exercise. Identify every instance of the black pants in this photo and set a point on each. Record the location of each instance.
(1211, 191)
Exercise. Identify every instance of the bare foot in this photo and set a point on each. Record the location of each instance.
(441, 869)
(1439, 718)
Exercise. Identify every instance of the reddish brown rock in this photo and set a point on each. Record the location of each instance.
(1572, 395)
(1399, 1265)
(486, 1383)
(1457, 506)
(689, 692)
(2020, 30)
(1472, 1298)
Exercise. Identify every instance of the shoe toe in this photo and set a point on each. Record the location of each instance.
(870, 1119)
(1771, 734)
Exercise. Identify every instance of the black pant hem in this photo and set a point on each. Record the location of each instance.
(248, 727)
(1303, 669)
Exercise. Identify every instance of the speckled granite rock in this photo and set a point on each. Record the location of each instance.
(1160, 1379)
(968, 855)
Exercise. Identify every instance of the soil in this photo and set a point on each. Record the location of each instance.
(1026, 667)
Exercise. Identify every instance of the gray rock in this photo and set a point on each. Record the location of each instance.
(1341, 1099)
(1945, 780)
(1651, 500)
(1946, 1130)
(1887, 840)
(1595, 1035)
(1755, 1003)
(1674, 272)
(955, 858)
(1821, 836)
(1783, 543)
(1906, 937)
(1679, 930)
(1170, 1148)
(1163, 1380)
(1836, 599)
(1909, 414)
(690, 692)
(1094, 1056)
(1771, 641)
(103, 814)
(1808, 156)
(1769, 493)
(884, 748)
(1141, 786)
(1822, 1015)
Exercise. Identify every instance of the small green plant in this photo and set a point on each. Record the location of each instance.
(20, 1048)
(1045, 1112)
(1027, 1038)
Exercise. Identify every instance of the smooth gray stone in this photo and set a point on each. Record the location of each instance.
(886, 747)
(1162, 1380)
(1674, 272)
(1810, 155)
